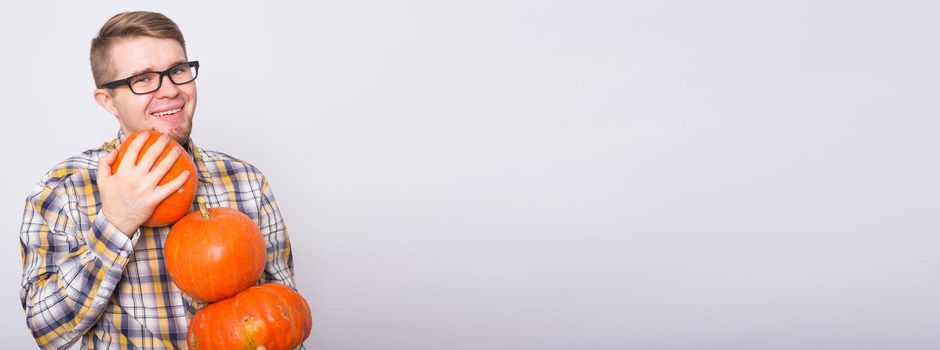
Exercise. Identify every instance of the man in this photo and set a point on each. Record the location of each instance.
(90, 270)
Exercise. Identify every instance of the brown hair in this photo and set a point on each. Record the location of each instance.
(128, 25)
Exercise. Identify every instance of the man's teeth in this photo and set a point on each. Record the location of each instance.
(167, 112)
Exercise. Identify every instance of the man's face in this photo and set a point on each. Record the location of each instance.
(169, 109)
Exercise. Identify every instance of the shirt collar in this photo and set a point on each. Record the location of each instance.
(190, 148)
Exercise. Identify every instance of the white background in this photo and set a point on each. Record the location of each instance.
(549, 174)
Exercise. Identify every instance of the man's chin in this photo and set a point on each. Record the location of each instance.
(180, 134)
(181, 137)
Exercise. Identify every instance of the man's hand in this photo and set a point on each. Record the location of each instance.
(129, 196)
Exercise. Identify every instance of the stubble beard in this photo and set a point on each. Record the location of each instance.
(179, 133)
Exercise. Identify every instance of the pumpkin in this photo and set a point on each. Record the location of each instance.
(214, 253)
(177, 204)
(271, 315)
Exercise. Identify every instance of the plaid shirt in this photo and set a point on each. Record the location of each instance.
(83, 278)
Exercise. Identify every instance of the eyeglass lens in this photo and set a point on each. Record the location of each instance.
(150, 81)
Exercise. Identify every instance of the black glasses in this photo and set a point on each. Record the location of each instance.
(147, 82)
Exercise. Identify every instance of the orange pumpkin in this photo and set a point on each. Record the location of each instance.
(214, 253)
(271, 315)
(177, 204)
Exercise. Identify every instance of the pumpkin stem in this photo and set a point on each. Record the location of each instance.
(202, 207)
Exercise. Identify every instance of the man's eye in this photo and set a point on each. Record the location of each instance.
(178, 70)
(140, 80)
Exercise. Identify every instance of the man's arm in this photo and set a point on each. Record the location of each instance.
(73, 258)
(279, 265)
(69, 274)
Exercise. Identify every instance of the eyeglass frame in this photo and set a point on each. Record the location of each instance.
(127, 81)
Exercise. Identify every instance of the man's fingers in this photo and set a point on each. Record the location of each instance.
(130, 158)
(104, 164)
(146, 162)
(174, 185)
(164, 166)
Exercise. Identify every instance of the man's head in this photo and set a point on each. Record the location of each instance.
(131, 43)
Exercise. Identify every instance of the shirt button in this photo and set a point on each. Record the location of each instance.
(123, 254)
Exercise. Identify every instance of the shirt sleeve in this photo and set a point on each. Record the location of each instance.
(71, 265)
(279, 265)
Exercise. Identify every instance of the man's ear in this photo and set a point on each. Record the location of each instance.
(104, 99)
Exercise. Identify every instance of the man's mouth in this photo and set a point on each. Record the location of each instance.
(166, 113)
